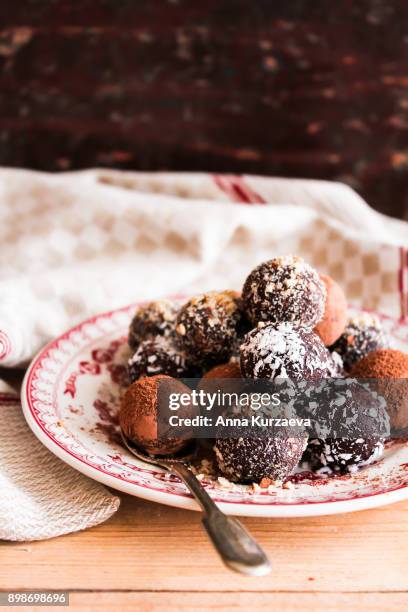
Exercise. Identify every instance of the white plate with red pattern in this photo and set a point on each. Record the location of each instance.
(70, 399)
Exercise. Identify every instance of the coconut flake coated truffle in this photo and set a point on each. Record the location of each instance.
(362, 335)
(284, 289)
(349, 425)
(390, 368)
(343, 455)
(138, 414)
(252, 459)
(154, 319)
(334, 320)
(284, 351)
(159, 356)
(208, 325)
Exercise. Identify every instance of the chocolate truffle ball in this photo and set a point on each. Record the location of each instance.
(362, 335)
(390, 369)
(225, 377)
(283, 351)
(224, 370)
(349, 425)
(158, 356)
(344, 455)
(334, 320)
(138, 414)
(251, 444)
(207, 326)
(154, 319)
(284, 289)
(252, 459)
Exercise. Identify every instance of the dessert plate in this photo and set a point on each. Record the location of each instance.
(70, 399)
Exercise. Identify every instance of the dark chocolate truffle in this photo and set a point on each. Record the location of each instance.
(154, 319)
(283, 351)
(207, 326)
(362, 335)
(252, 459)
(349, 423)
(264, 443)
(284, 289)
(335, 313)
(390, 369)
(158, 356)
(138, 414)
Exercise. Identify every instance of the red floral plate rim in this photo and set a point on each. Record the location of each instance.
(86, 356)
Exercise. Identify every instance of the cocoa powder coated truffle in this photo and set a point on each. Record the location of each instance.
(154, 319)
(362, 335)
(382, 363)
(224, 370)
(207, 326)
(335, 312)
(283, 351)
(284, 289)
(390, 368)
(139, 413)
(225, 378)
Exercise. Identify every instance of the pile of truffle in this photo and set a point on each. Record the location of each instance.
(289, 322)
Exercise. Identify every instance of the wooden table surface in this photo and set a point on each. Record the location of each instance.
(150, 557)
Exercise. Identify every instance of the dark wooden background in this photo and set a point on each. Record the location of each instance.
(312, 88)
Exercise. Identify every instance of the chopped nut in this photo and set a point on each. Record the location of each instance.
(181, 329)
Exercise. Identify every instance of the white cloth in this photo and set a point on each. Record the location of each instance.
(75, 244)
(41, 497)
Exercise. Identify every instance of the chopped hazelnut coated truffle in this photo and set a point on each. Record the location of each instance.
(207, 326)
(285, 289)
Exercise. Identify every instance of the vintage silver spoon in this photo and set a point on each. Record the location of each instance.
(238, 550)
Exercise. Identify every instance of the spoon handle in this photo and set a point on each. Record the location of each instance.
(237, 548)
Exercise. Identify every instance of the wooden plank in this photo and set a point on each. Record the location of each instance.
(240, 601)
(151, 547)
